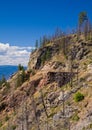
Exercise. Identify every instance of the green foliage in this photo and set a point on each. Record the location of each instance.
(1, 124)
(46, 56)
(20, 67)
(18, 81)
(88, 127)
(75, 117)
(43, 59)
(82, 17)
(6, 118)
(83, 128)
(83, 24)
(78, 97)
(13, 127)
(68, 103)
(44, 40)
(36, 44)
(31, 71)
(82, 79)
(3, 80)
(21, 78)
(7, 85)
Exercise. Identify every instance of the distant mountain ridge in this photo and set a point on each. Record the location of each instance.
(7, 70)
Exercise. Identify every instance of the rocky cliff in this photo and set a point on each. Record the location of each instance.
(55, 90)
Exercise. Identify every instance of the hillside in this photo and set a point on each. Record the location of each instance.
(54, 93)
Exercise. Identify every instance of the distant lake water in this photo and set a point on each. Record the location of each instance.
(8, 70)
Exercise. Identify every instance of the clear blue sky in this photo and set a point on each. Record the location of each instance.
(24, 21)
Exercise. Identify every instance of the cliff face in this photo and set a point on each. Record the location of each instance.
(46, 96)
(42, 54)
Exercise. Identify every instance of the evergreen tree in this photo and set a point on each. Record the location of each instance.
(40, 42)
(20, 67)
(21, 78)
(36, 44)
(48, 55)
(3, 80)
(82, 18)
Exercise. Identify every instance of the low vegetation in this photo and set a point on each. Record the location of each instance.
(78, 97)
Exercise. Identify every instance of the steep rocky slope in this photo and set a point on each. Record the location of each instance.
(46, 99)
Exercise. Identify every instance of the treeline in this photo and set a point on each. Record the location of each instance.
(3, 82)
(84, 28)
(47, 39)
(22, 76)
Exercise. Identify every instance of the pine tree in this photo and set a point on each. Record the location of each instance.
(36, 44)
(82, 17)
(20, 67)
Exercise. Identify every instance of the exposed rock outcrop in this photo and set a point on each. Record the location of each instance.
(79, 51)
(37, 56)
(59, 77)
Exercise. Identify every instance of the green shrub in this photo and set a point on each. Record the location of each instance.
(7, 85)
(20, 67)
(13, 127)
(45, 57)
(1, 124)
(21, 78)
(6, 118)
(68, 103)
(75, 117)
(83, 128)
(89, 126)
(78, 97)
(82, 79)
(33, 72)
(2, 80)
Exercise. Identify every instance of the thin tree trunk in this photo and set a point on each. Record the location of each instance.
(22, 123)
(26, 117)
(63, 103)
(34, 109)
(44, 103)
(71, 81)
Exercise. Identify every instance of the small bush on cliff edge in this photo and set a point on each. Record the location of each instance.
(78, 97)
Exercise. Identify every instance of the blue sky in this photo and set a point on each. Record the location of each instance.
(24, 21)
